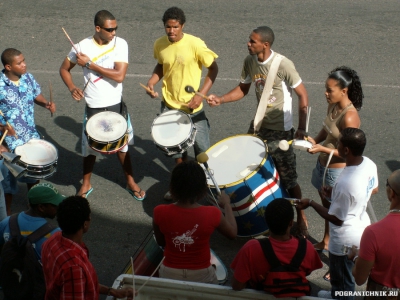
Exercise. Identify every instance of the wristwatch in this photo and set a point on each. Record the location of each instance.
(88, 64)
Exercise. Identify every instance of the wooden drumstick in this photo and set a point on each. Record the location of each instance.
(190, 89)
(1, 113)
(3, 137)
(174, 101)
(69, 39)
(84, 88)
(326, 168)
(151, 275)
(51, 95)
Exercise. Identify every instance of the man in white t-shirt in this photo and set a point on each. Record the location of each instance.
(104, 60)
(347, 214)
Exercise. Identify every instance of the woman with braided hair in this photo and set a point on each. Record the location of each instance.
(344, 95)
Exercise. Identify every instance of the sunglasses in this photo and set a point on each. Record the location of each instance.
(109, 29)
(387, 184)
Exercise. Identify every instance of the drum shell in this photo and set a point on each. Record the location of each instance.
(107, 147)
(37, 171)
(252, 194)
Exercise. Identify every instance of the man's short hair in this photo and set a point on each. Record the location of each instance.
(8, 55)
(266, 34)
(72, 214)
(278, 215)
(188, 182)
(174, 13)
(354, 139)
(102, 16)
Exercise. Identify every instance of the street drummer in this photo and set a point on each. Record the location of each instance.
(277, 124)
(18, 92)
(180, 58)
(104, 59)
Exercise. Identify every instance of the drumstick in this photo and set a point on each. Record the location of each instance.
(308, 119)
(202, 158)
(326, 168)
(69, 39)
(51, 96)
(84, 88)
(190, 89)
(174, 101)
(151, 275)
(1, 113)
(4, 136)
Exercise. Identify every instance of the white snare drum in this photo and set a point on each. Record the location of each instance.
(107, 132)
(303, 145)
(38, 157)
(173, 132)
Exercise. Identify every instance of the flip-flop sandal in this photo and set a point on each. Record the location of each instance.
(86, 194)
(132, 192)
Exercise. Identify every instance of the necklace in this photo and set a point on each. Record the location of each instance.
(394, 210)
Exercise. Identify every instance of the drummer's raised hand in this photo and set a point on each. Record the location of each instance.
(213, 100)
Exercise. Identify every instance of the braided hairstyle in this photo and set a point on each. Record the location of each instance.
(348, 78)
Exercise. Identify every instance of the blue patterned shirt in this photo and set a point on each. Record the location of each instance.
(17, 105)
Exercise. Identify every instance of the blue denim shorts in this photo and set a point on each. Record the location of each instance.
(331, 176)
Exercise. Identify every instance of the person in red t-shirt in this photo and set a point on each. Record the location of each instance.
(184, 227)
(250, 265)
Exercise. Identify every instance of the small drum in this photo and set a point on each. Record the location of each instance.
(303, 145)
(107, 132)
(38, 157)
(173, 132)
(242, 168)
(148, 257)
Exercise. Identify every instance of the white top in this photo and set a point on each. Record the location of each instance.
(350, 196)
(101, 91)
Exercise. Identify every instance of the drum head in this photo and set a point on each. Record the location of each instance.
(235, 158)
(106, 126)
(171, 128)
(37, 152)
(302, 145)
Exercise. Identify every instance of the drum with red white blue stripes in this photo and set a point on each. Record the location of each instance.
(242, 168)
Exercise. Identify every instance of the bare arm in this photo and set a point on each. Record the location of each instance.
(234, 95)
(160, 238)
(158, 73)
(361, 270)
(208, 82)
(237, 285)
(227, 225)
(65, 73)
(322, 211)
(301, 93)
(41, 100)
(117, 74)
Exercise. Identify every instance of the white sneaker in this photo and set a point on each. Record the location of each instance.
(324, 294)
(168, 196)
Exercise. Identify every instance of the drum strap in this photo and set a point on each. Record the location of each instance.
(267, 91)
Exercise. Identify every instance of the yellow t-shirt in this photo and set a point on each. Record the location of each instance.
(182, 63)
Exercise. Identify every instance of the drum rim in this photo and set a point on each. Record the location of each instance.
(252, 173)
(108, 142)
(37, 141)
(187, 137)
(103, 112)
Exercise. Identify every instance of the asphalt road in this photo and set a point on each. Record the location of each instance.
(316, 35)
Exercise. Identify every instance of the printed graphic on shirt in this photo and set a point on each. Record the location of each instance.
(259, 81)
(185, 239)
(371, 183)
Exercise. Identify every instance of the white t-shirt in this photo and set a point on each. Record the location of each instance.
(350, 196)
(101, 91)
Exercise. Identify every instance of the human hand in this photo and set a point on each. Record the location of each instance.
(124, 293)
(150, 91)
(82, 59)
(213, 100)
(224, 200)
(353, 252)
(195, 102)
(51, 106)
(77, 93)
(300, 134)
(326, 191)
(9, 128)
(316, 148)
(302, 203)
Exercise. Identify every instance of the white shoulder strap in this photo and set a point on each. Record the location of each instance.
(262, 106)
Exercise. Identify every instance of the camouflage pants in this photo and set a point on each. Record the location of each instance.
(285, 161)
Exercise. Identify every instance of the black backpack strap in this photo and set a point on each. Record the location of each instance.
(40, 232)
(269, 253)
(300, 253)
(14, 227)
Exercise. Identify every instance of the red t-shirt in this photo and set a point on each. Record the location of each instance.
(380, 242)
(250, 264)
(187, 234)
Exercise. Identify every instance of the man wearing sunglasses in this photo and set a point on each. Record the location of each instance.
(104, 59)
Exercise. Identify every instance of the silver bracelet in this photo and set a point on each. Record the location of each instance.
(309, 202)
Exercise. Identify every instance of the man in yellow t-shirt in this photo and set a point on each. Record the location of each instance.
(180, 58)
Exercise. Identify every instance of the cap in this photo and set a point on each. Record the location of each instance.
(43, 193)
